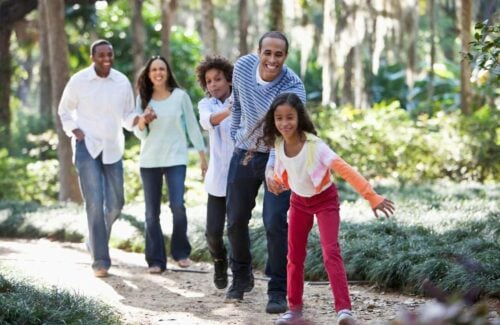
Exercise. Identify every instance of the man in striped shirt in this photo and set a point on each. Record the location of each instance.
(257, 80)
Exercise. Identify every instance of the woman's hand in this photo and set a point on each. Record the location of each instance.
(386, 206)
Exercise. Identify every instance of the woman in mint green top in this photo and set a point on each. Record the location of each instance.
(164, 153)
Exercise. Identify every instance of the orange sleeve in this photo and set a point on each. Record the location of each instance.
(356, 180)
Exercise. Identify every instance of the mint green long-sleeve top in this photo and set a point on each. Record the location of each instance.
(165, 144)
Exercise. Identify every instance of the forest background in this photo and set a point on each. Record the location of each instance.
(405, 90)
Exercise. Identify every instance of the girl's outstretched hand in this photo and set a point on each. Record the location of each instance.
(386, 206)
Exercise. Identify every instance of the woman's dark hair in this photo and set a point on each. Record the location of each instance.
(270, 132)
(214, 62)
(274, 34)
(145, 86)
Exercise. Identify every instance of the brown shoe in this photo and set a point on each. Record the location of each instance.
(155, 270)
(185, 262)
(101, 273)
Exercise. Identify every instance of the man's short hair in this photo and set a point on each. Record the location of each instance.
(274, 34)
(97, 43)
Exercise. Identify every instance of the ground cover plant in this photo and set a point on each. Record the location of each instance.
(435, 226)
(23, 303)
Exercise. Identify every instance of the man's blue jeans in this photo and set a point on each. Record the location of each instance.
(243, 185)
(102, 188)
(152, 180)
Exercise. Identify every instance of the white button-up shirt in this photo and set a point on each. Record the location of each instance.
(99, 107)
(221, 145)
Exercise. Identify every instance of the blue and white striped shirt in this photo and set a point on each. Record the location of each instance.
(252, 100)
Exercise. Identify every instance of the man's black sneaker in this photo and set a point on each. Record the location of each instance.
(220, 273)
(250, 284)
(276, 304)
(234, 293)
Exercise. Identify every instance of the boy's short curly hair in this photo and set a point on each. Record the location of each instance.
(213, 62)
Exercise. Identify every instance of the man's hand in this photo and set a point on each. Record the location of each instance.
(386, 206)
(79, 135)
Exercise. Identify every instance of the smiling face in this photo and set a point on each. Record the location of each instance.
(286, 121)
(217, 85)
(103, 59)
(272, 55)
(158, 73)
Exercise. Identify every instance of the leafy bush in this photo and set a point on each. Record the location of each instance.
(386, 142)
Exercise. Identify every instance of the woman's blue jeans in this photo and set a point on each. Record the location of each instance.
(102, 188)
(152, 180)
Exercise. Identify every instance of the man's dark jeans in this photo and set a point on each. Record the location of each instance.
(243, 185)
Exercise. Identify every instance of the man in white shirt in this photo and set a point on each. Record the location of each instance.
(96, 102)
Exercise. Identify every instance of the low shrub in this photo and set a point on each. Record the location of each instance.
(23, 303)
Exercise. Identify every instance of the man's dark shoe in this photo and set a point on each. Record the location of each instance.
(276, 304)
(234, 293)
(249, 284)
(220, 273)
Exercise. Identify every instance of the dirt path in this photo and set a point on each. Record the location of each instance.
(177, 297)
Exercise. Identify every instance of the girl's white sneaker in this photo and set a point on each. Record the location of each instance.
(345, 318)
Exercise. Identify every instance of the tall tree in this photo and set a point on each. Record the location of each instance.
(10, 12)
(59, 73)
(432, 23)
(208, 28)
(138, 36)
(328, 52)
(276, 15)
(45, 82)
(168, 8)
(410, 30)
(243, 26)
(465, 70)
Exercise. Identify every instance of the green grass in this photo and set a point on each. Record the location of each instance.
(435, 227)
(23, 303)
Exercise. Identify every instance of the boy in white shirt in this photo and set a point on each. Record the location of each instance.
(214, 75)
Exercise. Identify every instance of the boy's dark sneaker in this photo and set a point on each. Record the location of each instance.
(220, 273)
(234, 293)
(276, 304)
(249, 284)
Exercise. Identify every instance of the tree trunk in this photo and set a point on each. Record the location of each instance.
(10, 12)
(276, 15)
(452, 31)
(208, 28)
(59, 72)
(138, 37)
(432, 59)
(465, 70)
(244, 22)
(45, 83)
(168, 8)
(411, 29)
(26, 37)
(5, 74)
(328, 53)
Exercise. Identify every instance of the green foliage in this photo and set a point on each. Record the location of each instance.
(23, 303)
(30, 220)
(386, 142)
(424, 240)
(485, 48)
(435, 226)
